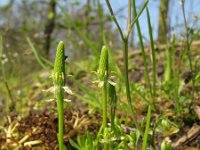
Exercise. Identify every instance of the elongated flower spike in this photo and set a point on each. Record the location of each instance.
(102, 71)
(59, 66)
(58, 77)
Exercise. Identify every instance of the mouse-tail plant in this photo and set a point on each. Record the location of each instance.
(125, 38)
(102, 73)
(58, 77)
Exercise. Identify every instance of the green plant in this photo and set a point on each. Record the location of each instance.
(152, 91)
(58, 77)
(112, 61)
(125, 38)
(166, 145)
(59, 88)
(102, 73)
(153, 56)
(85, 142)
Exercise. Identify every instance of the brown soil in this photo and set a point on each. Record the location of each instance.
(43, 128)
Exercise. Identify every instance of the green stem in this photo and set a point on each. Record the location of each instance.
(143, 51)
(103, 77)
(59, 82)
(153, 55)
(104, 102)
(188, 47)
(113, 103)
(144, 143)
(137, 17)
(128, 94)
(104, 98)
(59, 96)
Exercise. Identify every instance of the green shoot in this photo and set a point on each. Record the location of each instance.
(102, 73)
(125, 50)
(153, 55)
(144, 143)
(143, 51)
(58, 77)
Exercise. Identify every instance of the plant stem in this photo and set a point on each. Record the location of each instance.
(102, 73)
(153, 55)
(114, 19)
(143, 51)
(60, 96)
(104, 98)
(125, 50)
(128, 94)
(136, 18)
(144, 143)
(58, 77)
(113, 103)
(188, 47)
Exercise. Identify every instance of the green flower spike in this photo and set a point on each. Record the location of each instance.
(59, 88)
(102, 71)
(59, 66)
